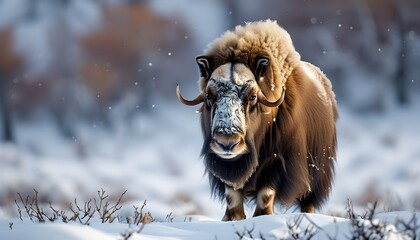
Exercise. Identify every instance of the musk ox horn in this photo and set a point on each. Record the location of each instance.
(263, 100)
(193, 102)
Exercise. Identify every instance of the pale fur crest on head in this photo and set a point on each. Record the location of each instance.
(262, 38)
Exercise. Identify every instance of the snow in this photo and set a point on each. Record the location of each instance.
(380, 153)
(201, 227)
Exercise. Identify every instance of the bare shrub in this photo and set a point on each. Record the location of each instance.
(32, 209)
(138, 218)
(79, 213)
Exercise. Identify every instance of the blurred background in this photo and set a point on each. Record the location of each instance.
(87, 96)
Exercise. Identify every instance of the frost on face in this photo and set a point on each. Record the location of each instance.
(229, 117)
(227, 81)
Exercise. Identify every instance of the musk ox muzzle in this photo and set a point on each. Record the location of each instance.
(228, 127)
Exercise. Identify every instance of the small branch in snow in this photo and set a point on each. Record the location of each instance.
(245, 233)
(60, 213)
(19, 210)
(319, 229)
(409, 228)
(139, 217)
(296, 232)
(32, 208)
(169, 217)
(87, 212)
(104, 209)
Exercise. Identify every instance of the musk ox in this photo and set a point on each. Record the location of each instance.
(268, 120)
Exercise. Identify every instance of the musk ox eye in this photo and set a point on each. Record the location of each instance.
(209, 99)
(252, 97)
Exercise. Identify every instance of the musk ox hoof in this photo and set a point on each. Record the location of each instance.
(259, 212)
(233, 216)
(307, 208)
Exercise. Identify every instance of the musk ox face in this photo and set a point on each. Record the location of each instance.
(231, 96)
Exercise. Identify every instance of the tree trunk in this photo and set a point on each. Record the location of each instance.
(5, 112)
(400, 79)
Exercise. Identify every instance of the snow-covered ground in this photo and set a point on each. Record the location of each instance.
(288, 226)
(156, 158)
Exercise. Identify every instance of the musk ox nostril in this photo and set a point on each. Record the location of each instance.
(227, 147)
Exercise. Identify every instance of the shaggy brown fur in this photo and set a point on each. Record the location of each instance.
(291, 147)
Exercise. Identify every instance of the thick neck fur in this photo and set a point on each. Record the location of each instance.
(232, 173)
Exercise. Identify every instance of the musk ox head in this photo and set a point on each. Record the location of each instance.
(234, 114)
(231, 97)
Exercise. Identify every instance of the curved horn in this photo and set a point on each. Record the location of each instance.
(262, 99)
(193, 102)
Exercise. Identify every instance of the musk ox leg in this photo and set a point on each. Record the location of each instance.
(307, 206)
(265, 202)
(235, 205)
